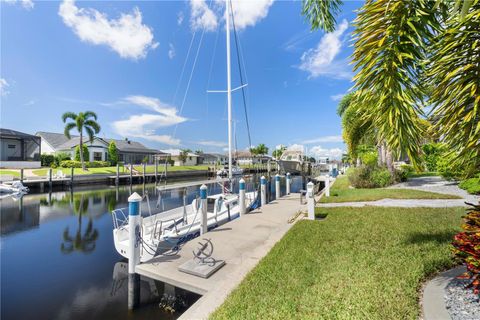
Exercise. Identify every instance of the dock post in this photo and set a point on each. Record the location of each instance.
(278, 193)
(131, 170)
(241, 199)
(156, 170)
(269, 167)
(310, 201)
(134, 227)
(21, 175)
(203, 206)
(166, 168)
(117, 178)
(50, 178)
(72, 170)
(144, 169)
(289, 181)
(327, 185)
(263, 190)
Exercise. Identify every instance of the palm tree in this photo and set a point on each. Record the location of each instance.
(84, 120)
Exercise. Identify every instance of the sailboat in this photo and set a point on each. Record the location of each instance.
(166, 231)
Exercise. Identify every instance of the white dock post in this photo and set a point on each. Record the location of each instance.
(50, 178)
(277, 186)
(134, 243)
(144, 170)
(263, 190)
(327, 185)
(117, 178)
(156, 169)
(203, 206)
(310, 201)
(131, 169)
(241, 199)
(289, 181)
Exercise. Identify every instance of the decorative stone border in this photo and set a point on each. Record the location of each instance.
(433, 301)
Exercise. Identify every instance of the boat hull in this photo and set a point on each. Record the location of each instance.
(293, 167)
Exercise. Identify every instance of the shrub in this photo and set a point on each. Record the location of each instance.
(447, 167)
(97, 164)
(370, 177)
(70, 164)
(381, 178)
(46, 160)
(433, 152)
(113, 153)
(466, 246)
(369, 158)
(471, 185)
(86, 154)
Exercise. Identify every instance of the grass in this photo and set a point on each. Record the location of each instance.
(10, 173)
(113, 170)
(341, 192)
(471, 185)
(423, 174)
(361, 263)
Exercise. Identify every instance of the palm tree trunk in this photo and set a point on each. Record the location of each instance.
(389, 161)
(81, 152)
(379, 154)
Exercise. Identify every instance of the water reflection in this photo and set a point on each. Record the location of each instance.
(42, 281)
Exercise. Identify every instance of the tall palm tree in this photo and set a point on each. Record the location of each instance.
(82, 121)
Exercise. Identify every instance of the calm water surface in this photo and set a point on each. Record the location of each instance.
(58, 259)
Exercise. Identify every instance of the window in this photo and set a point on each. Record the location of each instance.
(11, 146)
(97, 156)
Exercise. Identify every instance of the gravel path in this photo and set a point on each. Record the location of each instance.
(461, 303)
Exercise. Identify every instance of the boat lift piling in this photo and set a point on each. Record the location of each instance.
(288, 182)
(241, 195)
(134, 228)
(263, 190)
(277, 186)
(203, 206)
(311, 200)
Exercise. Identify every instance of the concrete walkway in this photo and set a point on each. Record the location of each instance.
(241, 243)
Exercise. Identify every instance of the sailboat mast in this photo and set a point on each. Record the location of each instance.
(229, 88)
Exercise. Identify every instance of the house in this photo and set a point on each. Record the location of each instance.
(129, 152)
(246, 158)
(19, 150)
(213, 158)
(191, 160)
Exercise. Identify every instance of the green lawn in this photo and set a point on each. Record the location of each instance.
(112, 170)
(341, 192)
(359, 263)
(10, 173)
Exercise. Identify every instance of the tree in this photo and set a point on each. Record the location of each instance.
(183, 155)
(199, 152)
(86, 154)
(321, 13)
(277, 153)
(261, 149)
(82, 121)
(112, 153)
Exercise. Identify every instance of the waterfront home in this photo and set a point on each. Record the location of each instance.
(246, 158)
(191, 159)
(213, 158)
(19, 150)
(128, 151)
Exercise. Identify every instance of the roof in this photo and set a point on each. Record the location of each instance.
(9, 133)
(248, 154)
(213, 155)
(176, 152)
(59, 141)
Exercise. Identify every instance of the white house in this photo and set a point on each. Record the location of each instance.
(192, 158)
(128, 151)
(246, 158)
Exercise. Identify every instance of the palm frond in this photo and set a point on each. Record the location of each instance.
(93, 125)
(321, 13)
(69, 126)
(90, 114)
(90, 133)
(69, 115)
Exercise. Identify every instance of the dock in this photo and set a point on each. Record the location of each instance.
(242, 243)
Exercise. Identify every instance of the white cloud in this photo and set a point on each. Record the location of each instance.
(145, 125)
(180, 18)
(201, 16)
(210, 143)
(324, 139)
(337, 97)
(171, 51)
(3, 87)
(296, 147)
(127, 35)
(30, 103)
(318, 151)
(320, 61)
(26, 4)
(248, 12)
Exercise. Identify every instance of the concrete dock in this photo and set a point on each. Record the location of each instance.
(241, 243)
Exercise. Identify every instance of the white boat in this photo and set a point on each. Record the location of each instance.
(292, 161)
(15, 188)
(167, 231)
(236, 171)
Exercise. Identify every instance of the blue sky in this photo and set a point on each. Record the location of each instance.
(124, 60)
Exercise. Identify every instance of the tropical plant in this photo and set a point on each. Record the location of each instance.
(112, 153)
(84, 152)
(83, 121)
(183, 155)
(321, 13)
(466, 246)
(277, 153)
(261, 149)
(432, 151)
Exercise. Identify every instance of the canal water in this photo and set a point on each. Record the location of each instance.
(58, 259)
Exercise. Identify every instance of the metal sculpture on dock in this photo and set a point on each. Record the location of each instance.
(203, 264)
(204, 253)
